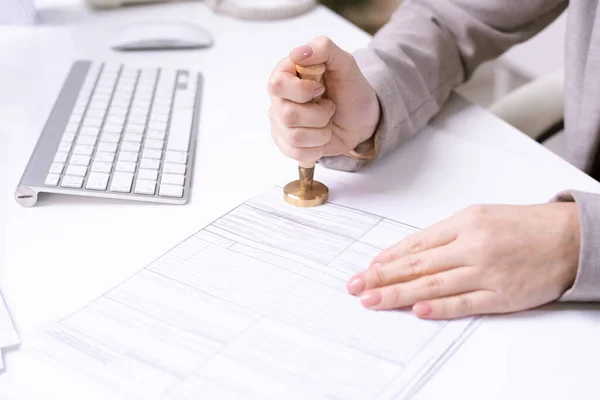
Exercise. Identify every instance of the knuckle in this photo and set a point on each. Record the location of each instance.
(434, 286)
(375, 277)
(289, 114)
(481, 243)
(275, 84)
(464, 305)
(417, 244)
(323, 42)
(380, 276)
(475, 215)
(295, 137)
(415, 266)
(393, 297)
(352, 60)
(443, 309)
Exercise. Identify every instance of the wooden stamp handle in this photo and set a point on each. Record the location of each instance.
(313, 73)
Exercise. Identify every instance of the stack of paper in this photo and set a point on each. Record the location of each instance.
(8, 333)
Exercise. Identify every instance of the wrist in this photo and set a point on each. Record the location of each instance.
(374, 115)
(572, 235)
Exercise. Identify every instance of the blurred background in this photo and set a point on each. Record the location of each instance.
(370, 15)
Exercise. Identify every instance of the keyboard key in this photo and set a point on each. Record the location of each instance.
(96, 113)
(132, 128)
(76, 170)
(83, 150)
(90, 131)
(116, 120)
(97, 181)
(107, 147)
(159, 118)
(137, 120)
(110, 137)
(121, 182)
(154, 144)
(86, 140)
(72, 182)
(148, 174)
(57, 168)
(80, 160)
(75, 119)
(121, 103)
(104, 157)
(94, 122)
(52, 180)
(128, 156)
(115, 111)
(184, 102)
(133, 137)
(143, 186)
(61, 157)
(182, 80)
(68, 137)
(156, 135)
(170, 168)
(125, 166)
(171, 191)
(71, 128)
(157, 125)
(151, 153)
(160, 110)
(180, 130)
(64, 147)
(176, 157)
(105, 167)
(149, 163)
(113, 128)
(130, 146)
(80, 108)
(172, 179)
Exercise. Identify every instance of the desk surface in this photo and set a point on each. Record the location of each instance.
(65, 252)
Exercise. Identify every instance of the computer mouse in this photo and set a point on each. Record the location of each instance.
(162, 35)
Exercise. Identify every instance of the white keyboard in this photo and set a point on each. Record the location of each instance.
(118, 131)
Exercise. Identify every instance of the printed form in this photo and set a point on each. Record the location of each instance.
(254, 306)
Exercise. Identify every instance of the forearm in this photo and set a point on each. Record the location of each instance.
(587, 282)
(426, 50)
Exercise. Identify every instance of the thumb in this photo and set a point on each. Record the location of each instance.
(322, 50)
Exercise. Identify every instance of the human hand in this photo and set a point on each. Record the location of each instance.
(483, 260)
(346, 116)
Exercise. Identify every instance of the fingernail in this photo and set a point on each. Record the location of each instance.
(422, 309)
(302, 52)
(376, 265)
(370, 299)
(356, 285)
(319, 91)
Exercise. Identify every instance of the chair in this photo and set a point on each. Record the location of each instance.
(536, 108)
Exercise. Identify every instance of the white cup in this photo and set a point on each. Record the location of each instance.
(17, 12)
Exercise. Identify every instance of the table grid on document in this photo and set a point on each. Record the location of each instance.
(257, 296)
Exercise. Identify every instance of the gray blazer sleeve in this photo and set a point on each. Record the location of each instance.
(587, 281)
(428, 48)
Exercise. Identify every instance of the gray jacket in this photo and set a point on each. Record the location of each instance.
(431, 46)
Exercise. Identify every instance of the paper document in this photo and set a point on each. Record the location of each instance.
(8, 334)
(254, 306)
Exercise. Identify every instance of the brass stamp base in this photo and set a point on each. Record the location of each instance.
(294, 195)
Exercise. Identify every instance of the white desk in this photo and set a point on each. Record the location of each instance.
(65, 252)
